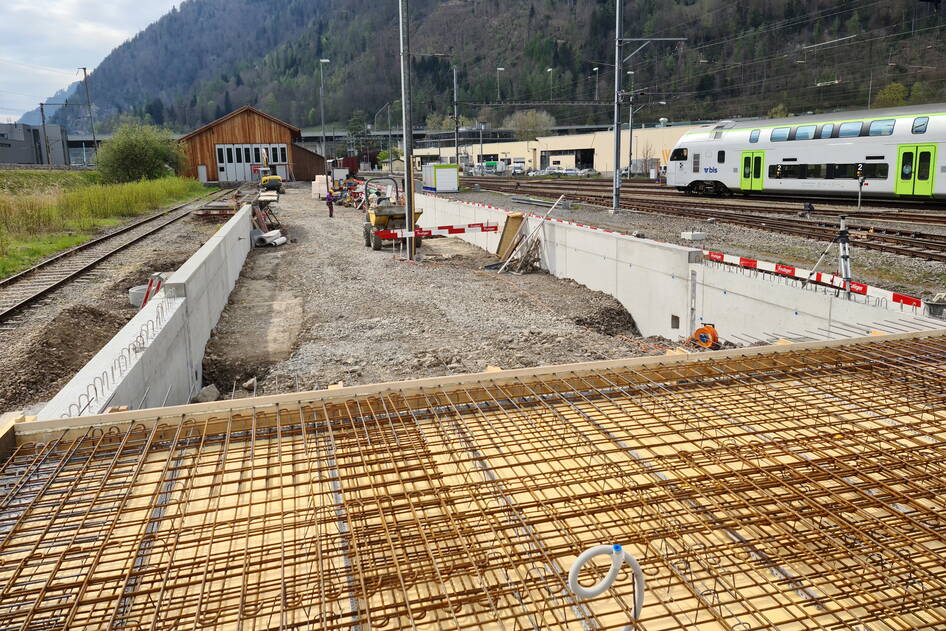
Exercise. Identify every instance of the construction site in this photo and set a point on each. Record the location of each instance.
(368, 457)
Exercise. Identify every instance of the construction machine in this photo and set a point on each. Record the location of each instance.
(269, 181)
(384, 216)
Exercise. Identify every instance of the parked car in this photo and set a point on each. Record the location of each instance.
(588, 173)
(570, 172)
(517, 170)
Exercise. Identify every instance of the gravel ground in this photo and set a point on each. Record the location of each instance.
(882, 269)
(41, 349)
(370, 317)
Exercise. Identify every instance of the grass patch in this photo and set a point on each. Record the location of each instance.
(38, 224)
(25, 181)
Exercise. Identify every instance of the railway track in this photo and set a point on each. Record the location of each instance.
(930, 247)
(900, 210)
(24, 289)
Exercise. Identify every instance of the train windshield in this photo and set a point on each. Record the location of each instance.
(679, 154)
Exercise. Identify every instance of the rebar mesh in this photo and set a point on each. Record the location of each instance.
(800, 490)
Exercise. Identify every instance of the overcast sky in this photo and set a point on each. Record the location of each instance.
(43, 41)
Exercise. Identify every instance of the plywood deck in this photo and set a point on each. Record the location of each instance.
(791, 490)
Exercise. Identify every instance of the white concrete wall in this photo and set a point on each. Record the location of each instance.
(671, 290)
(756, 305)
(654, 281)
(156, 358)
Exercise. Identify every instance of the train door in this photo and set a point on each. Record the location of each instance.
(916, 167)
(751, 170)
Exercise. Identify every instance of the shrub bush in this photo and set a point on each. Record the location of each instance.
(139, 152)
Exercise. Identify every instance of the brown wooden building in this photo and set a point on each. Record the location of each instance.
(233, 148)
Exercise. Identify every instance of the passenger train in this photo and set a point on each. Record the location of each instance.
(899, 151)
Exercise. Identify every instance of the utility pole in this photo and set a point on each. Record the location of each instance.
(616, 184)
(322, 62)
(88, 102)
(456, 119)
(549, 70)
(42, 113)
(498, 94)
(408, 126)
(630, 127)
(596, 82)
(390, 143)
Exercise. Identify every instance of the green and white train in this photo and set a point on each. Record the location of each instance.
(899, 151)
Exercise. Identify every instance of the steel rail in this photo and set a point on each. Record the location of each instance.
(46, 288)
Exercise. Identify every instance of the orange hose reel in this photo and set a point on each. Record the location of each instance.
(706, 336)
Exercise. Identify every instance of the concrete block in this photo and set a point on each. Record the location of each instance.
(693, 235)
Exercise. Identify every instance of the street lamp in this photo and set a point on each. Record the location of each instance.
(322, 63)
(498, 96)
(549, 70)
(595, 69)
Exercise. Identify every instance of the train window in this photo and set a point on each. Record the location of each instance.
(826, 130)
(229, 155)
(849, 130)
(806, 132)
(757, 167)
(876, 171)
(679, 154)
(754, 136)
(906, 168)
(845, 171)
(815, 171)
(696, 163)
(721, 157)
(923, 166)
(780, 133)
(881, 127)
(920, 124)
(747, 167)
(219, 155)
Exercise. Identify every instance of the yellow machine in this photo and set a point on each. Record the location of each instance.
(384, 217)
(269, 181)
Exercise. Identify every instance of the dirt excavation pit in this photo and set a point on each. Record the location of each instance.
(325, 309)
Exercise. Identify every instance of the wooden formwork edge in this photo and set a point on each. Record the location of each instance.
(37, 430)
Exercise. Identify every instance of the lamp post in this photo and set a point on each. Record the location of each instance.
(549, 70)
(322, 63)
(498, 95)
(596, 82)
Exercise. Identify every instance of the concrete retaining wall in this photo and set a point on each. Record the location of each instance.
(637, 272)
(156, 359)
(670, 290)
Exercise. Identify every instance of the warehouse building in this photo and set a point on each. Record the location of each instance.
(29, 144)
(234, 148)
(595, 150)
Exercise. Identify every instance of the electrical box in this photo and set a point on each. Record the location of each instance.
(442, 178)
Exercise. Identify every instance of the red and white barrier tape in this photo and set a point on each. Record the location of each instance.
(444, 231)
(764, 266)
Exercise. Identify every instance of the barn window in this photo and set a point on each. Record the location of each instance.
(246, 154)
(274, 155)
(282, 153)
(256, 155)
(219, 155)
(229, 155)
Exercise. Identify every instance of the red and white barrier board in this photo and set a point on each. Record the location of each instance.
(831, 280)
(440, 231)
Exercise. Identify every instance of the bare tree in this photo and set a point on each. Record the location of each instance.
(530, 124)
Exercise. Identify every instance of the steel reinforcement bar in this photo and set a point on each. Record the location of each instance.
(800, 489)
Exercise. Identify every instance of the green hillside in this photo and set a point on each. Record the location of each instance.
(209, 57)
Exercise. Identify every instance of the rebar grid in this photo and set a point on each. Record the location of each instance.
(800, 490)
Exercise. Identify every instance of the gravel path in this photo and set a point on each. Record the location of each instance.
(41, 349)
(370, 317)
(891, 271)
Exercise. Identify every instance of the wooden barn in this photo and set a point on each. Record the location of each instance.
(232, 149)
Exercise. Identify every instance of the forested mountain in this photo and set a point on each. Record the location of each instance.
(34, 117)
(209, 57)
